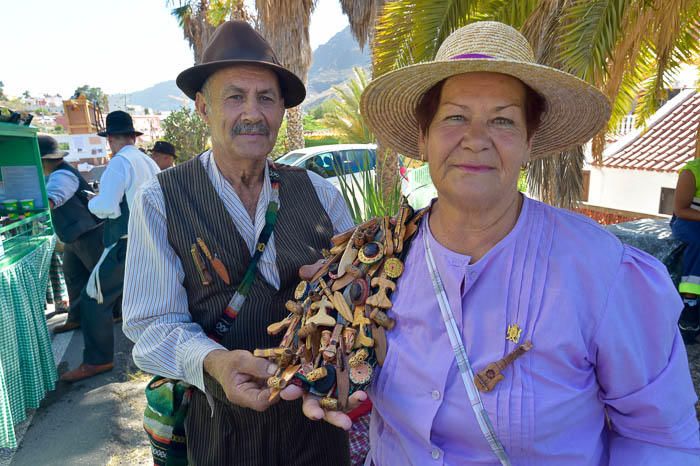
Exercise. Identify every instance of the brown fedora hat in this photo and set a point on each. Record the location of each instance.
(237, 43)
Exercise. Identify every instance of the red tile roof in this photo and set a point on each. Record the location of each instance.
(667, 145)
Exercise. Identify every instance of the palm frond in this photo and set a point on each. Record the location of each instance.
(557, 180)
(512, 12)
(344, 117)
(410, 31)
(182, 13)
(591, 29)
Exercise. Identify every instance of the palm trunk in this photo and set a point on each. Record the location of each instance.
(295, 129)
(387, 170)
(557, 179)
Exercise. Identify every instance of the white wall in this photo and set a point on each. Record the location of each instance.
(632, 190)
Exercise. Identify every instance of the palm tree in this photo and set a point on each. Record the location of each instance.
(629, 49)
(344, 116)
(285, 25)
(192, 17)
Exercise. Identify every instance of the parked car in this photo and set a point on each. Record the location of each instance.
(327, 161)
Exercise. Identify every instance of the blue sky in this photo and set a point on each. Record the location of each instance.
(119, 45)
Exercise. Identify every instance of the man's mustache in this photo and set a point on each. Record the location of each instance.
(251, 128)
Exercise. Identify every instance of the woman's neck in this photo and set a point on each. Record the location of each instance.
(473, 232)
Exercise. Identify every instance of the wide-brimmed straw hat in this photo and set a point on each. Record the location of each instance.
(575, 111)
(237, 43)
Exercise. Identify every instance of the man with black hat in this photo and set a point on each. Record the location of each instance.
(195, 234)
(163, 154)
(75, 226)
(127, 171)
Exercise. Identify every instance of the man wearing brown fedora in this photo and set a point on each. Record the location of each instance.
(163, 154)
(128, 169)
(199, 230)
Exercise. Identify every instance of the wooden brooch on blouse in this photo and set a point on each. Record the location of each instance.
(334, 335)
(487, 379)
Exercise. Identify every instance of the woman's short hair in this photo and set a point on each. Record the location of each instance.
(428, 105)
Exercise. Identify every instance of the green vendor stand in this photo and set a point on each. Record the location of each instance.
(27, 367)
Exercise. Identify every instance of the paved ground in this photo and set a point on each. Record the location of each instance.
(94, 422)
(98, 421)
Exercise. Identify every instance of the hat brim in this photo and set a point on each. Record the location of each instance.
(575, 110)
(192, 79)
(172, 154)
(55, 155)
(104, 134)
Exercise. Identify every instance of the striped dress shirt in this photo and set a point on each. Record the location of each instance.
(155, 307)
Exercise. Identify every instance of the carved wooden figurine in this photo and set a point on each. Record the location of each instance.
(486, 379)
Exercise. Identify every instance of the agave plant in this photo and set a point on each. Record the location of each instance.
(364, 193)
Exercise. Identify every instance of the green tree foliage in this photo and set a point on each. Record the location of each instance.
(2, 91)
(281, 143)
(187, 132)
(320, 110)
(93, 94)
(344, 117)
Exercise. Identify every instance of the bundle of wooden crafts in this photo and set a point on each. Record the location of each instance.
(334, 334)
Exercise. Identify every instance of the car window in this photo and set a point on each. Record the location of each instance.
(291, 159)
(356, 160)
(321, 164)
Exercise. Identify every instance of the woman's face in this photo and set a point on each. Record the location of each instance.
(477, 141)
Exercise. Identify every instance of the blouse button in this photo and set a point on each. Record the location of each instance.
(435, 453)
(435, 394)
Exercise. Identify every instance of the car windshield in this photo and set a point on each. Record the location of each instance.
(292, 158)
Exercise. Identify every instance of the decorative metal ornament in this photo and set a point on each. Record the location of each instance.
(301, 290)
(371, 252)
(361, 373)
(393, 267)
(514, 333)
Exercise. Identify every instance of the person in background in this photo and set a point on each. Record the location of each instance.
(78, 229)
(685, 226)
(127, 171)
(163, 153)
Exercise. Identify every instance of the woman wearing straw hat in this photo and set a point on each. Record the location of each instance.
(566, 339)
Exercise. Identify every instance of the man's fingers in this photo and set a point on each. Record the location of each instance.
(257, 367)
(311, 408)
(291, 392)
(355, 399)
(338, 419)
(249, 395)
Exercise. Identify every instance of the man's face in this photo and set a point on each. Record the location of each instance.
(244, 108)
(163, 160)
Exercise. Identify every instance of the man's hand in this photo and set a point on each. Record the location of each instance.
(242, 376)
(312, 409)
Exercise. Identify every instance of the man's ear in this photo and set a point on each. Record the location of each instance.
(200, 103)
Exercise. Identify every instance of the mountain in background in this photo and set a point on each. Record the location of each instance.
(332, 65)
(161, 97)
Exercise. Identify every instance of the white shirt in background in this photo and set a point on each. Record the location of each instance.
(126, 172)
